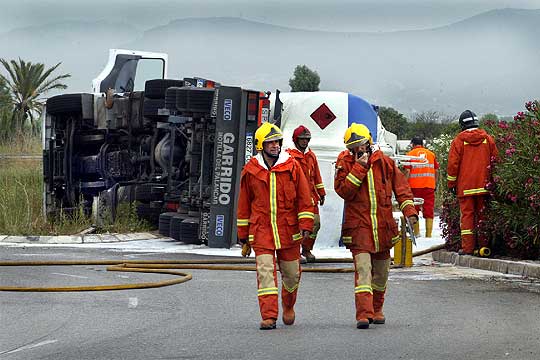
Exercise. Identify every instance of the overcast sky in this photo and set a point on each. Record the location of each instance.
(338, 15)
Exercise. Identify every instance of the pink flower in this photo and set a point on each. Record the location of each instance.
(536, 158)
(512, 197)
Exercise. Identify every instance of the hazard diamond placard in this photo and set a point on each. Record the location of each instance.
(323, 116)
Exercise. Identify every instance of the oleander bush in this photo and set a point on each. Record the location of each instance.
(513, 217)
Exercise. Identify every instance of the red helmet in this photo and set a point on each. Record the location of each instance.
(301, 132)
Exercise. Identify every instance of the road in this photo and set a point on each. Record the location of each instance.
(433, 312)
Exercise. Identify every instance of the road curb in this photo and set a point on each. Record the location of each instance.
(76, 239)
(523, 268)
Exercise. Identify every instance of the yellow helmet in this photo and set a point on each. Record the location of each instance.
(266, 132)
(357, 134)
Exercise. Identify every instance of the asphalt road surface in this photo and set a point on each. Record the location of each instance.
(432, 311)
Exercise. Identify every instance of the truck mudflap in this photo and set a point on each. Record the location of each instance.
(229, 158)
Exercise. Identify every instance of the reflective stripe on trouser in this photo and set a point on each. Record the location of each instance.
(471, 208)
(289, 260)
(310, 241)
(370, 277)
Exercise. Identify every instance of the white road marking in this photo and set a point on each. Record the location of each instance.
(69, 275)
(31, 346)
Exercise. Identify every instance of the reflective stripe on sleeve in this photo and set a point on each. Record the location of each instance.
(405, 203)
(306, 215)
(242, 222)
(474, 191)
(354, 180)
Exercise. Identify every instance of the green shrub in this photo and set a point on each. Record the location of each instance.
(513, 218)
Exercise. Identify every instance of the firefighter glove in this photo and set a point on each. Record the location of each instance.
(246, 250)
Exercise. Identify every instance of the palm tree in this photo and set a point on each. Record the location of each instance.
(27, 83)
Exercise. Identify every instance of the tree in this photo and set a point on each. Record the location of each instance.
(431, 124)
(393, 121)
(27, 82)
(304, 79)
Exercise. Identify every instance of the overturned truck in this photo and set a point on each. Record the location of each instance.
(174, 148)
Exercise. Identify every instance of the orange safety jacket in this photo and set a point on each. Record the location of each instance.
(468, 160)
(422, 175)
(369, 224)
(274, 205)
(310, 166)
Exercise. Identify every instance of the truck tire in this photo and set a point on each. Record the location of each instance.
(156, 88)
(170, 97)
(149, 192)
(148, 213)
(174, 227)
(189, 231)
(65, 104)
(197, 100)
(151, 107)
(165, 222)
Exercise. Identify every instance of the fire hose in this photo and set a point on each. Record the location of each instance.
(164, 266)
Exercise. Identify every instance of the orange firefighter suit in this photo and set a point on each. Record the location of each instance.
(369, 229)
(310, 166)
(274, 207)
(469, 159)
(422, 180)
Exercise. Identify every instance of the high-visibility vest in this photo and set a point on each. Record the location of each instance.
(422, 175)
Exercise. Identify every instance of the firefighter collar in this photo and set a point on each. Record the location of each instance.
(283, 157)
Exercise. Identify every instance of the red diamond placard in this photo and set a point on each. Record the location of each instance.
(323, 116)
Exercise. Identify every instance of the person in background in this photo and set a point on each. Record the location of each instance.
(366, 179)
(469, 158)
(423, 178)
(275, 214)
(308, 161)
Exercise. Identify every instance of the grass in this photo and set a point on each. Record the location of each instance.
(21, 212)
(21, 144)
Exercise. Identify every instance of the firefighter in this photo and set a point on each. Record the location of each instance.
(423, 179)
(308, 161)
(469, 158)
(275, 215)
(365, 179)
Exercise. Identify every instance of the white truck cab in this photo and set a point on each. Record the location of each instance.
(128, 70)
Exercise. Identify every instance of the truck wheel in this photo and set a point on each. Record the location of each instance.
(126, 194)
(149, 192)
(189, 231)
(151, 107)
(156, 88)
(65, 104)
(195, 99)
(174, 227)
(148, 213)
(170, 97)
(165, 222)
